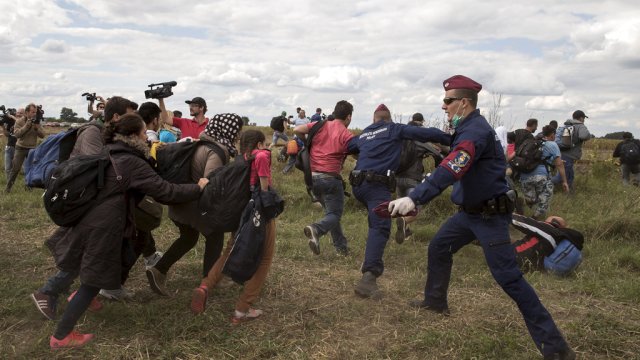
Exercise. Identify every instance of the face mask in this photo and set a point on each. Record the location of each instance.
(455, 120)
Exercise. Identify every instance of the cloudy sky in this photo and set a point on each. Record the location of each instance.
(257, 58)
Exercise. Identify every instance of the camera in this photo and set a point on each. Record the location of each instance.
(90, 96)
(39, 115)
(6, 112)
(160, 90)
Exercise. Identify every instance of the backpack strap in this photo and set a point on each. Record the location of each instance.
(217, 149)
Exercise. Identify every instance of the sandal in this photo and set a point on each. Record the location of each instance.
(240, 317)
(199, 299)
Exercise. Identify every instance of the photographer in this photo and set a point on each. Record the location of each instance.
(8, 123)
(27, 132)
(98, 113)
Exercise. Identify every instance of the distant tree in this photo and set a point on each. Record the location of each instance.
(494, 116)
(245, 121)
(616, 135)
(68, 115)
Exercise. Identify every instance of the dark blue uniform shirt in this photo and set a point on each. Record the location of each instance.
(380, 144)
(475, 166)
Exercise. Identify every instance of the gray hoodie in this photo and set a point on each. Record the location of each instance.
(582, 133)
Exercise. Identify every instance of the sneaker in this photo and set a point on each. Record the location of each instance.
(94, 306)
(239, 317)
(420, 304)
(566, 354)
(367, 286)
(71, 341)
(401, 230)
(157, 281)
(45, 304)
(314, 242)
(152, 260)
(199, 299)
(121, 294)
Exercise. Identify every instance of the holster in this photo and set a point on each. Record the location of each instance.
(503, 204)
(357, 177)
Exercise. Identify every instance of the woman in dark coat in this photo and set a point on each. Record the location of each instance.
(95, 244)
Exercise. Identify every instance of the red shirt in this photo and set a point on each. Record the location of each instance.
(190, 127)
(261, 166)
(329, 147)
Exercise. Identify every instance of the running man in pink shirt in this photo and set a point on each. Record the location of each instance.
(327, 157)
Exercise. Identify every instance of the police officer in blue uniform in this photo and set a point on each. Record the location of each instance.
(476, 168)
(379, 147)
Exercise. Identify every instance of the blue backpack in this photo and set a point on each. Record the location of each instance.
(564, 259)
(42, 160)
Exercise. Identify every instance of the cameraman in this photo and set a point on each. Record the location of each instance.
(8, 123)
(98, 113)
(27, 132)
(189, 127)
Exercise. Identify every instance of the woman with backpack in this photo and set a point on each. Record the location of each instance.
(220, 134)
(97, 245)
(251, 146)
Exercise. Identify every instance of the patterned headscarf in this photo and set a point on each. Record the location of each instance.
(224, 128)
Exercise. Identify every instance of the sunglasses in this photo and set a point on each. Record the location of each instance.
(449, 100)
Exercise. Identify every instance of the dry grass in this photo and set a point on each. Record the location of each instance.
(311, 311)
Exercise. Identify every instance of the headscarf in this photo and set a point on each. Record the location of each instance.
(224, 128)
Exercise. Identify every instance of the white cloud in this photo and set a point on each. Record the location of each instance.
(340, 78)
(546, 58)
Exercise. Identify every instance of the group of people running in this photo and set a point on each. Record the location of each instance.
(102, 248)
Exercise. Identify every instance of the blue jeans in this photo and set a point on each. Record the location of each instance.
(493, 234)
(279, 135)
(373, 194)
(568, 170)
(330, 192)
(59, 284)
(9, 151)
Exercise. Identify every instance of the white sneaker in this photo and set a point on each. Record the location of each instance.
(121, 294)
(152, 260)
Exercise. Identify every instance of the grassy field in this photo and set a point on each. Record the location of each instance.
(311, 311)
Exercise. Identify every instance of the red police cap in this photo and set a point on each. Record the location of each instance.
(461, 82)
(382, 107)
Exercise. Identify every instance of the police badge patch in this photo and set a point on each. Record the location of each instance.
(458, 163)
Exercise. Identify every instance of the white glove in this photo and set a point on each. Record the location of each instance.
(401, 206)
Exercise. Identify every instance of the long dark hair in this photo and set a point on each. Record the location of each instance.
(249, 140)
(127, 125)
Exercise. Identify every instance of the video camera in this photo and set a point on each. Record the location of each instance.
(161, 90)
(90, 96)
(9, 111)
(39, 115)
(6, 112)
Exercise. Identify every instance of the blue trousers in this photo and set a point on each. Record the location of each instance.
(493, 234)
(330, 192)
(568, 170)
(373, 194)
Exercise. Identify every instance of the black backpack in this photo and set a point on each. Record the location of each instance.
(630, 153)
(528, 156)
(225, 196)
(277, 123)
(248, 243)
(408, 156)
(303, 160)
(74, 186)
(174, 160)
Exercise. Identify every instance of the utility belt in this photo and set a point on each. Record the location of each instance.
(503, 204)
(357, 177)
